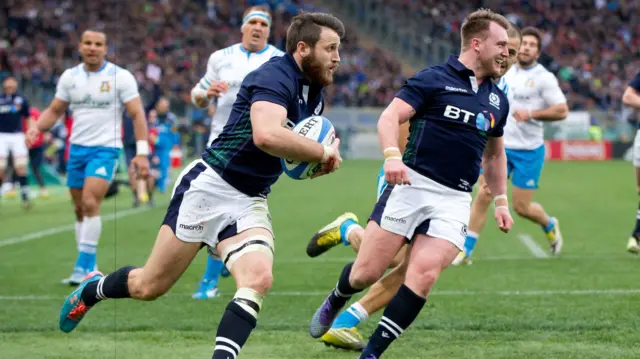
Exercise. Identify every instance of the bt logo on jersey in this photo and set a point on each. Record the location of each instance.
(454, 113)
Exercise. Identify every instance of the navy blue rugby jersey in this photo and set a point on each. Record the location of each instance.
(234, 155)
(13, 108)
(454, 116)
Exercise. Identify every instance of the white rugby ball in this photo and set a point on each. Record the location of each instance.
(316, 128)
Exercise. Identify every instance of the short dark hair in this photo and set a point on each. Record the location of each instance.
(532, 31)
(478, 23)
(514, 31)
(306, 27)
(96, 31)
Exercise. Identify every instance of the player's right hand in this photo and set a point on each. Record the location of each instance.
(217, 88)
(395, 171)
(332, 162)
(503, 218)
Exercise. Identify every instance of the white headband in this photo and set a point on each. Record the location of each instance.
(256, 14)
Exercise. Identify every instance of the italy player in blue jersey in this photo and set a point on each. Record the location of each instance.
(456, 115)
(220, 201)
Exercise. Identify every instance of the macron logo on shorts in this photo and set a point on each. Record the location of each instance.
(192, 227)
(396, 220)
(101, 171)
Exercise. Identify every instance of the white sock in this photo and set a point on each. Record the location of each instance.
(358, 311)
(91, 230)
(78, 234)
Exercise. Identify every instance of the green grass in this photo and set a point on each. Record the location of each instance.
(508, 304)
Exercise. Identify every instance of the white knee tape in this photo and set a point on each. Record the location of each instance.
(258, 243)
(21, 161)
(249, 300)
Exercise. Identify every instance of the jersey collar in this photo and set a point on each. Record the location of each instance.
(459, 66)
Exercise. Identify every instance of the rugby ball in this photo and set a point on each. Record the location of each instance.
(316, 128)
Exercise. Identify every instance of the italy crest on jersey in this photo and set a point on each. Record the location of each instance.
(105, 87)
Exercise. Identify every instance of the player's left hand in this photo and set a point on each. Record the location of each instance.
(333, 162)
(521, 115)
(140, 164)
(503, 218)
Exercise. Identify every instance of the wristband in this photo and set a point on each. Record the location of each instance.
(392, 158)
(530, 114)
(328, 152)
(142, 148)
(390, 149)
(502, 196)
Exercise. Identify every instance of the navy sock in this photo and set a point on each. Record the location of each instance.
(112, 286)
(343, 291)
(24, 188)
(401, 311)
(233, 331)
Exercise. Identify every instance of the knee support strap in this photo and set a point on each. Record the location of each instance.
(249, 300)
(20, 161)
(257, 243)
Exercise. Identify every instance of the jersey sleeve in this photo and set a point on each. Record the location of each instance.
(498, 130)
(271, 86)
(63, 86)
(212, 71)
(635, 83)
(127, 86)
(550, 90)
(418, 89)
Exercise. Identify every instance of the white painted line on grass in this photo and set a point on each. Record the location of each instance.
(55, 230)
(532, 246)
(504, 293)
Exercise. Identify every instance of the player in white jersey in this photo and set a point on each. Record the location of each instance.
(225, 71)
(96, 92)
(227, 67)
(631, 98)
(345, 229)
(536, 97)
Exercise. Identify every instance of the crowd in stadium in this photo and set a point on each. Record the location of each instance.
(168, 48)
(594, 61)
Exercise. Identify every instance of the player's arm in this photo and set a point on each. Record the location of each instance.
(631, 96)
(392, 119)
(494, 161)
(403, 138)
(269, 134)
(210, 85)
(552, 94)
(51, 114)
(135, 109)
(57, 107)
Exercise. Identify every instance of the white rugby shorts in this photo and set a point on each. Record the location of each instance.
(636, 150)
(424, 207)
(205, 208)
(13, 143)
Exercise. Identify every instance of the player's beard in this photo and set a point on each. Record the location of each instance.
(490, 66)
(314, 70)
